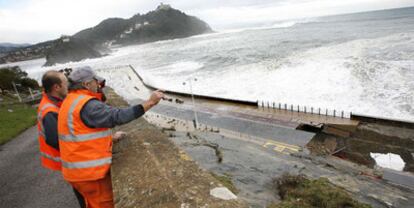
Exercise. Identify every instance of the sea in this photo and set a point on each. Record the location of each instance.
(361, 63)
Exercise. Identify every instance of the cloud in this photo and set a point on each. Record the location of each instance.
(39, 20)
(226, 17)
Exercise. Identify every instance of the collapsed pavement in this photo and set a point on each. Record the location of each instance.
(149, 171)
(253, 161)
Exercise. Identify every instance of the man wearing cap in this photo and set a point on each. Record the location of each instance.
(85, 137)
(55, 89)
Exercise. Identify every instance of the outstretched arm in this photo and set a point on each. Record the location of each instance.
(97, 114)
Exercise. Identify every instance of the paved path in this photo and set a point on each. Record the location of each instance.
(24, 183)
(238, 123)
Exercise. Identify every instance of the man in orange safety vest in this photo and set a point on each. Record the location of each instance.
(55, 89)
(85, 136)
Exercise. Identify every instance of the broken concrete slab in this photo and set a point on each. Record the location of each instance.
(222, 193)
(249, 163)
(148, 170)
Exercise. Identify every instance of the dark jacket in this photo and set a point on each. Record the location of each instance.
(96, 114)
(50, 124)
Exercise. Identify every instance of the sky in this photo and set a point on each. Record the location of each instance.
(33, 21)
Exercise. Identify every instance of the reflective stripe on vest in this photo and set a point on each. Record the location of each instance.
(39, 118)
(41, 133)
(80, 137)
(77, 140)
(87, 164)
(56, 159)
(85, 137)
(49, 156)
(70, 113)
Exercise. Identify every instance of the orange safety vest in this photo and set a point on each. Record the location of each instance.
(86, 153)
(49, 156)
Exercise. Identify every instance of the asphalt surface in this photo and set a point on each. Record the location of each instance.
(24, 182)
(237, 123)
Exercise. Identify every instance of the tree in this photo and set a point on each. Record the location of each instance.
(8, 75)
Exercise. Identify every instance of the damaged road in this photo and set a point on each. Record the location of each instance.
(255, 152)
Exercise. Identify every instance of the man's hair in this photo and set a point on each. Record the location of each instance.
(49, 79)
(75, 85)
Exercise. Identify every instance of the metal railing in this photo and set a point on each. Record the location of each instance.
(303, 109)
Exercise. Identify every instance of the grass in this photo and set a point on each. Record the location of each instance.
(225, 180)
(298, 191)
(8, 99)
(15, 122)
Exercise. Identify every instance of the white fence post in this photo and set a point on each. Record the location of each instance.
(17, 92)
(31, 93)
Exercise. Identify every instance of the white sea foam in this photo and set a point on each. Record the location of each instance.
(32, 67)
(179, 67)
(271, 26)
(284, 24)
(344, 76)
(361, 76)
(389, 160)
